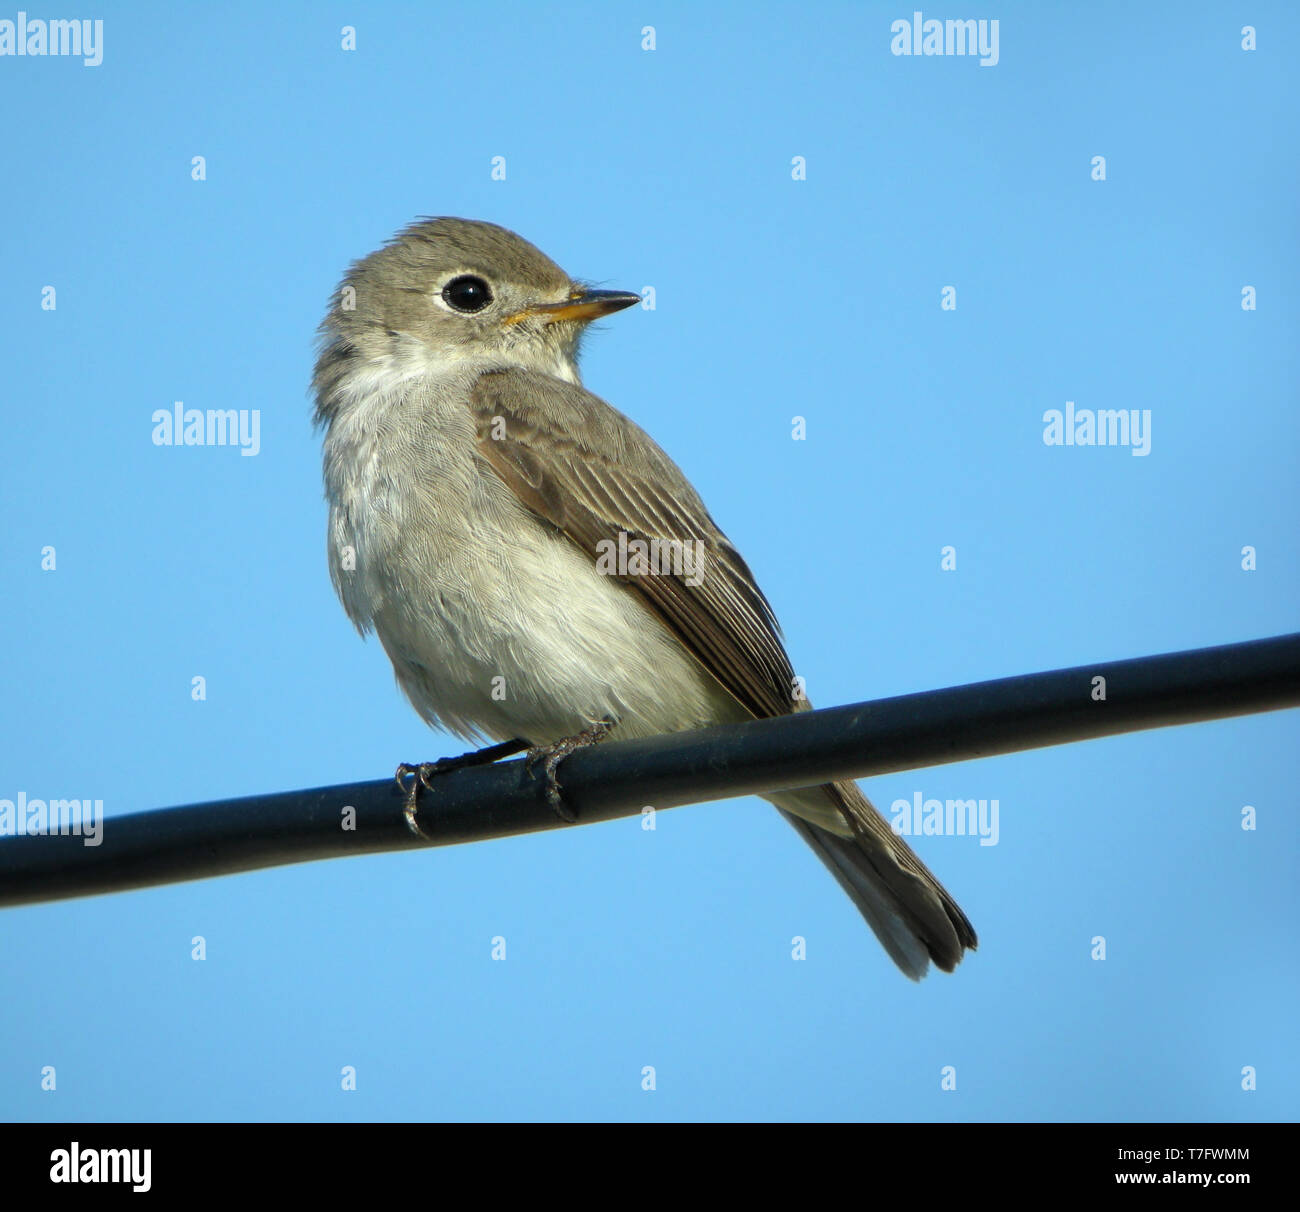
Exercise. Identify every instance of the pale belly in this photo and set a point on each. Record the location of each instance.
(497, 625)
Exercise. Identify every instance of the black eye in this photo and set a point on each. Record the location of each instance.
(467, 293)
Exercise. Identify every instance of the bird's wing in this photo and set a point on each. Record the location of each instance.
(587, 470)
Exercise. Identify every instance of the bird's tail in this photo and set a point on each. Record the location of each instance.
(910, 911)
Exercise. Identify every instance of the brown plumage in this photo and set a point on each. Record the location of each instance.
(562, 452)
(472, 481)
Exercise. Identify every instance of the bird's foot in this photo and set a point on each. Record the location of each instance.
(552, 755)
(420, 774)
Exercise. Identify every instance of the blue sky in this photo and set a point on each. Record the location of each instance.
(774, 298)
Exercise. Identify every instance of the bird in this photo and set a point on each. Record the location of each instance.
(473, 487)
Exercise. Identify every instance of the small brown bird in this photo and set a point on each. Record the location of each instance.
(491, 519)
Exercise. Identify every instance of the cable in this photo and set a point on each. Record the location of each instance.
(617, 779)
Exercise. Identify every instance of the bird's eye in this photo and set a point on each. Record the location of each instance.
(467, 293)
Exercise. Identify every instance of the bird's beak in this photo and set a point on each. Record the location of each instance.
(583, 306)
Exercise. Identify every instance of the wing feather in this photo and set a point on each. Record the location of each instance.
(593, 474)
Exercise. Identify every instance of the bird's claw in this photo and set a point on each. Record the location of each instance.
(552, 755)
(422, 772)
(425, 771)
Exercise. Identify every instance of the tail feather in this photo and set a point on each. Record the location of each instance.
(911, 913)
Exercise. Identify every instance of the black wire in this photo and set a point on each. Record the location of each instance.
(618, 778)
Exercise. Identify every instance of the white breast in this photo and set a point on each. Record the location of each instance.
(497, 625)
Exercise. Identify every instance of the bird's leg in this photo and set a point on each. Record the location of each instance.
(552, 755)
(424, 771)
